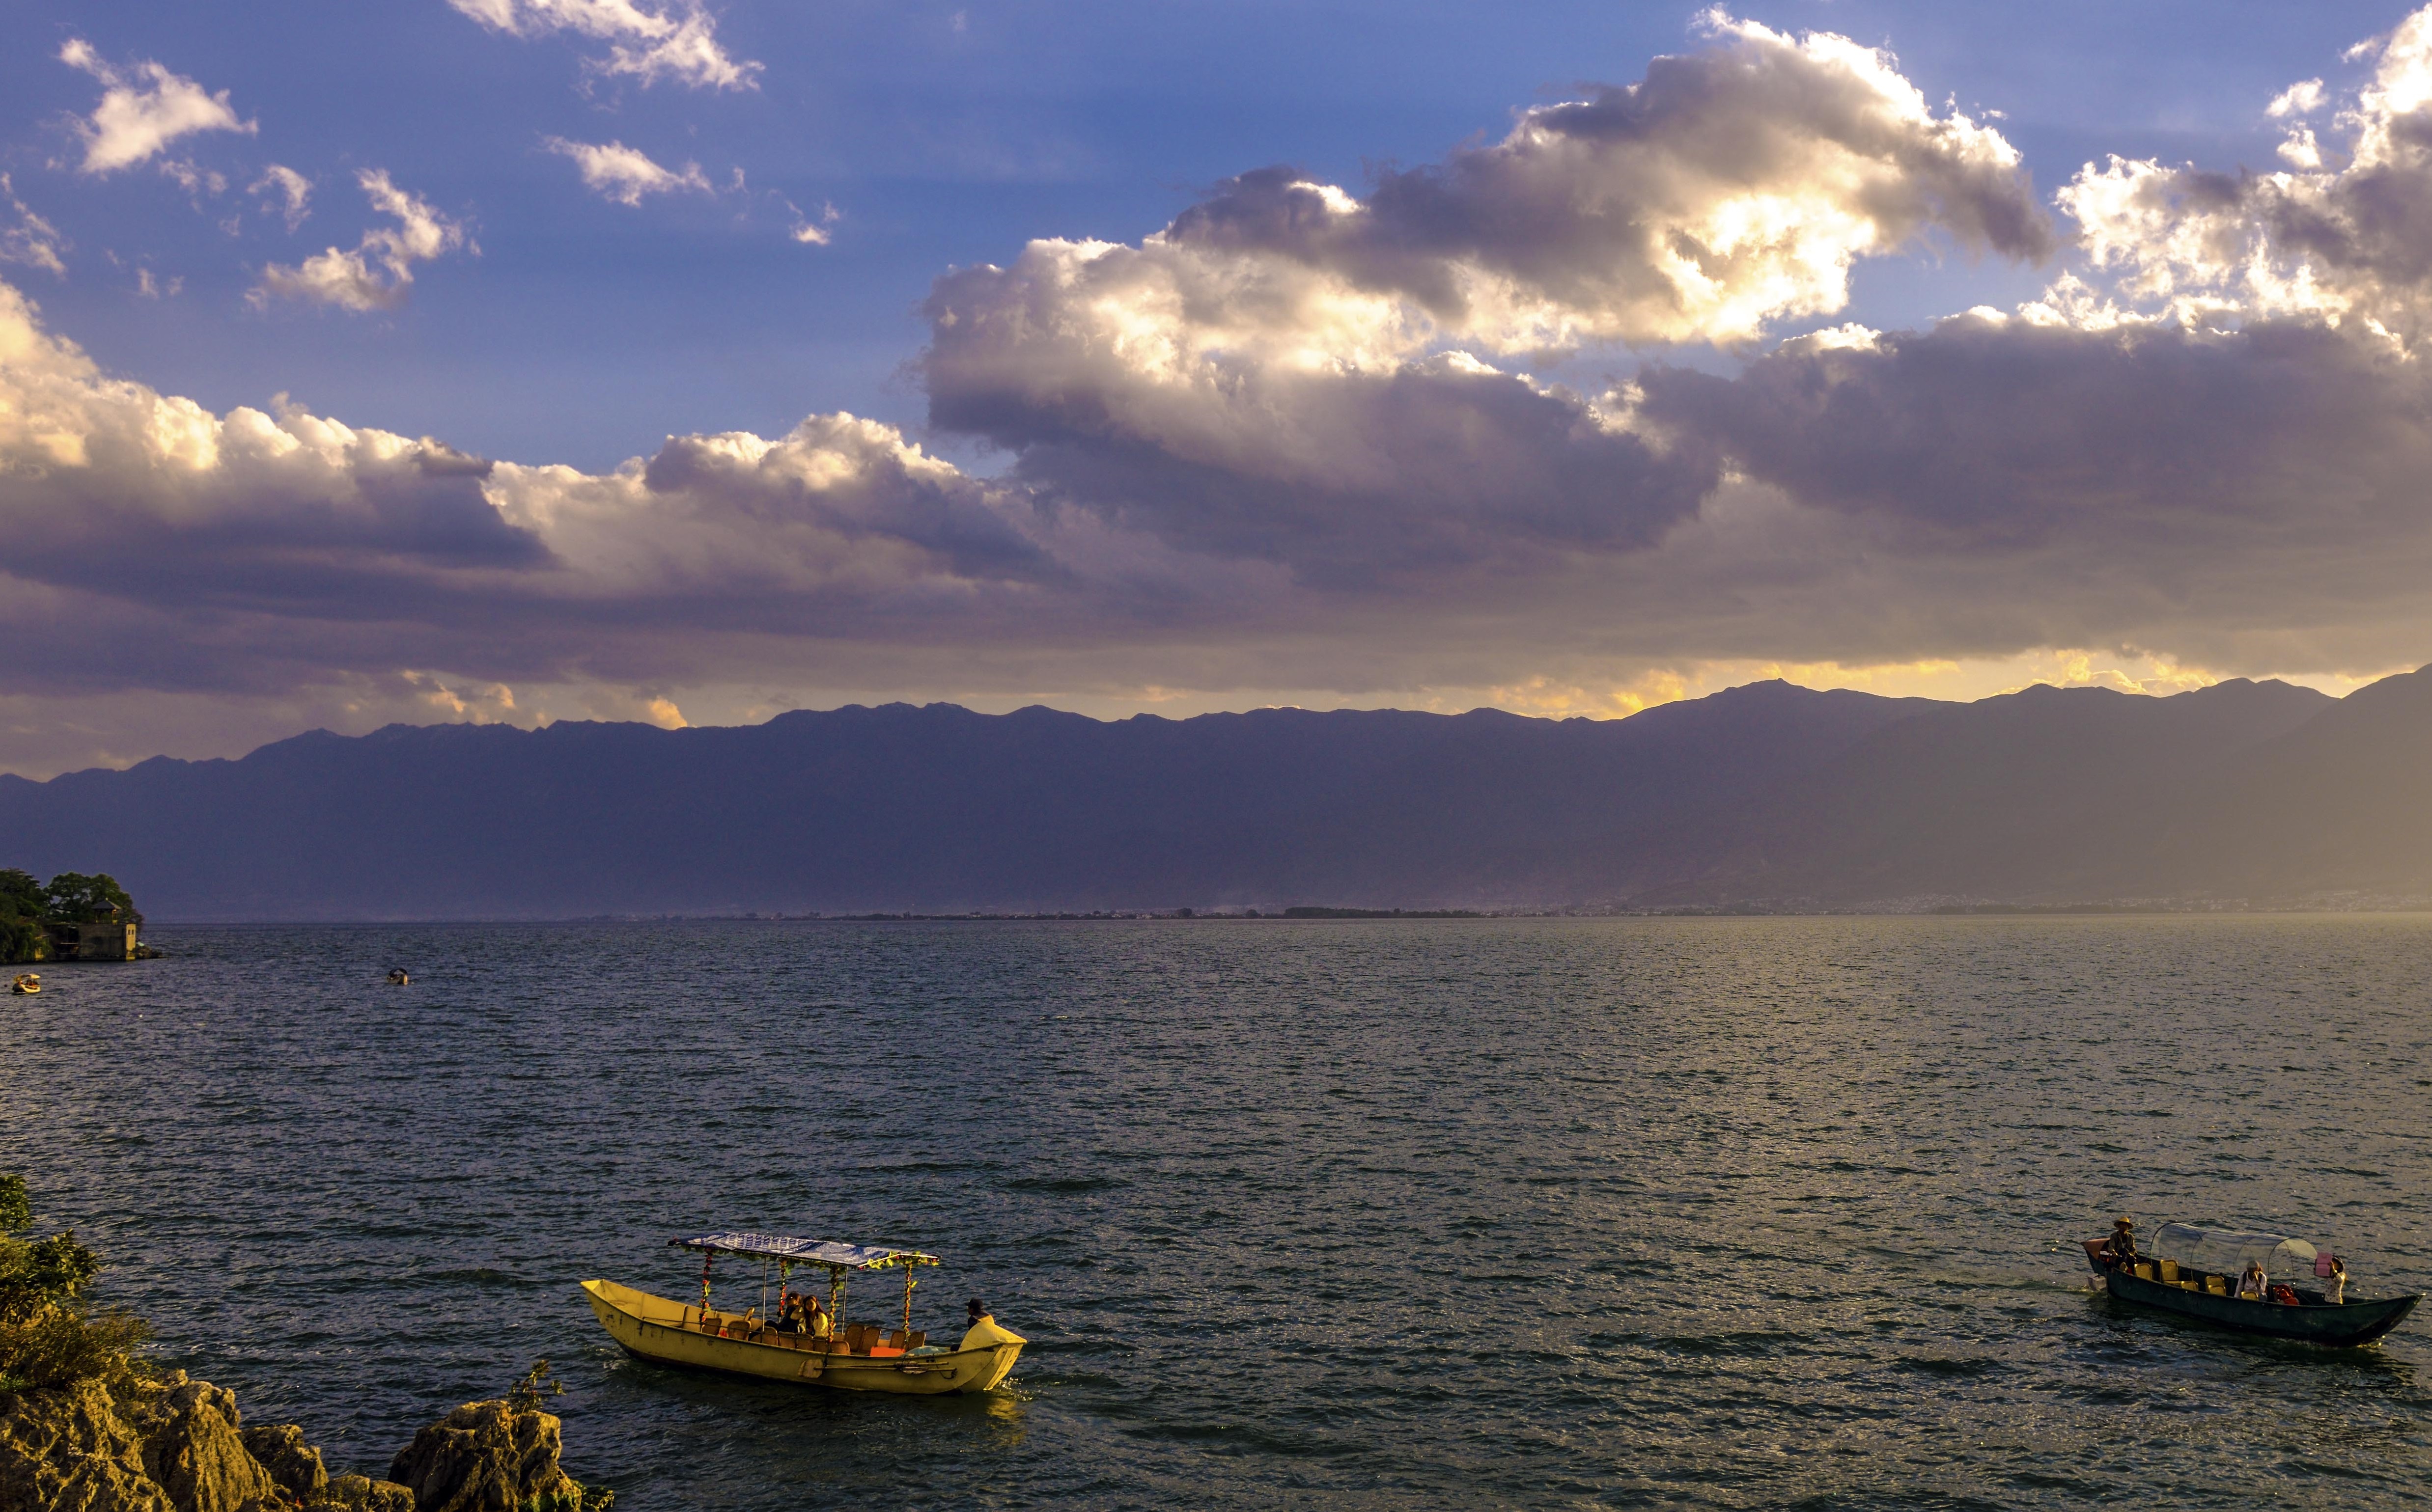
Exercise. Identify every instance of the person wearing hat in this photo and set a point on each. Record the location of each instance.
(2121, 1249)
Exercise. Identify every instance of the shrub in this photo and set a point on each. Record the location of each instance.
(48, 1337)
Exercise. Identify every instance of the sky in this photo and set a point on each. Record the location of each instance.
(529, 360)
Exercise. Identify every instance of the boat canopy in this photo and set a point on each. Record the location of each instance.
(2224, 1252)
(807, 1252)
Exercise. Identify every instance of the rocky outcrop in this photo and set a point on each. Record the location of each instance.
(69, 1449)
(486, 1456)
(126, 1444)
(295, 1465)
(193, 1452)
(360, 1493)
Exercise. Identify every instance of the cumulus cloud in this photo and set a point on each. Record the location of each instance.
(624, 173)
(28, 240)
(281, 517)
(2299, 99)
(376, 273)
(143, 109)
(1295, 442)
(1291, 371)
(286, 191)
(2350, 241)
(677, 41)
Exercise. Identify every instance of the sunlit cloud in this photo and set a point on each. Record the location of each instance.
(144, 108)
(376, 273)
(286, 193)
(28, 240)
(625, 174)
(649, 42)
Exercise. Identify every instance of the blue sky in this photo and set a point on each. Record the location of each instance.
(944, 134)
(552, 324)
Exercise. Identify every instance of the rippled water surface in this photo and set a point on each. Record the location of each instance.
(1550, 1212)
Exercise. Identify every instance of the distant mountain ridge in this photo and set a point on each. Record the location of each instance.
(1768, 795)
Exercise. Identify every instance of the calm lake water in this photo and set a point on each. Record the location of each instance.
(1496, 1213)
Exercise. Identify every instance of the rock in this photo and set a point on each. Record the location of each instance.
(486, 1456)
(192, 1451)
(66, 1449)
(280, 1449)
(360, 1493)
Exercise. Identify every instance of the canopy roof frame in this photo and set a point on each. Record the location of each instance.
(834, 1253)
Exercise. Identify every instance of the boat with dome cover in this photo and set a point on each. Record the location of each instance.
(2194, 1273)
(804, 1341)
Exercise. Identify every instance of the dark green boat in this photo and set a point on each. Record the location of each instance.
(2312, 1319)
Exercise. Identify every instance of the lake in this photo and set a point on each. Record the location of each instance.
(1360, 1213)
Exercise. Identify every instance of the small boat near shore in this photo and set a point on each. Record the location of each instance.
(2194, 1273)
(849, 1357)
(25, 985)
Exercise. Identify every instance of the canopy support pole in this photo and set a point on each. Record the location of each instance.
(908, 1307)
(835, 1306)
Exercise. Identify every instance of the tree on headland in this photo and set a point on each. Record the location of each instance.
(77, 899)
(22, 906)
(71, 897)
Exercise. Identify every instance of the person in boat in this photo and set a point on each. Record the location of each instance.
(2253, 1285)
(815, 1317)
(984, 1330)
(2335, 1285)
(2121, 1249)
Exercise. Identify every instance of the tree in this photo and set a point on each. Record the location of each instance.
(77, 899)
(22, 907)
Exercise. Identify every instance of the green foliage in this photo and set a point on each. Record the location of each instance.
(585, 1499)
(22, 904)
(42, 1276)
(47, 1334)
(69, 1344)
(74, 898)
(525, 1395)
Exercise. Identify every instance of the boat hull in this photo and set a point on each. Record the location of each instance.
(2350, 1323)
(668, 1333)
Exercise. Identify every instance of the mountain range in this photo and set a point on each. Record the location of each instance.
(1764, 797)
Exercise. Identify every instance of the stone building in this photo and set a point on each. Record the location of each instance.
(107, 940)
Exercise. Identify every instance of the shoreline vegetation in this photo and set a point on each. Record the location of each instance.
(88, 1425)
(47, 921)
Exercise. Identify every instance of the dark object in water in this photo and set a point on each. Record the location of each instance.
(397, 977)
(2313, 1321)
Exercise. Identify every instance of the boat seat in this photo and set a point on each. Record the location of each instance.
(904, 1339)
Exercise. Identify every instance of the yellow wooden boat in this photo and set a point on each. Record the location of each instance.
(25, 985)
(805, 1349)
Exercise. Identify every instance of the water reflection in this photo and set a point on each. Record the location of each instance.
(1494, 1212)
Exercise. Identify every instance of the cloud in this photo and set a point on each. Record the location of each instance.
(292, 191)
(2300, 99)
(143, 109)
(624, 173)
(814, 231)
(30, 241)
(676, 41)
(375, 273)
(1291, 372)
(1300, 444)
(2350, 241)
